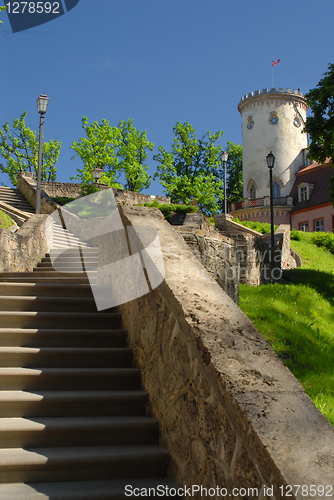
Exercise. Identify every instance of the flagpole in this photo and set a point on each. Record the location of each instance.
(272, 75)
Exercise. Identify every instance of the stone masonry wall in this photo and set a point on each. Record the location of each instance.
(230, 413)
(22, 250)
(219, 256)
(123, 197)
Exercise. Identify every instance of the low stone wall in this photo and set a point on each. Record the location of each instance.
(58, 189)
(71, 190)
(27, 186)
(219, 256)
(22, 250)
(230, 413)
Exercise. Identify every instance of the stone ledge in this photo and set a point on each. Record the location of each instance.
(230, 413)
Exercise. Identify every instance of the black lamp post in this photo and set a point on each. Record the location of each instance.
(270, 162)
(224, 157)
(42, 106)
(96, 173)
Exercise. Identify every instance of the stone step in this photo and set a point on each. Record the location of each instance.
(66, 357)
(68, 320)
(40, 274)
(69, 262)
(20, 432)
(46, 290)
(72, 403)
(48, 337)
(49, 304)
(61, 278)
(90, 490)
(72, 268)
(69, 379)
(81, 463)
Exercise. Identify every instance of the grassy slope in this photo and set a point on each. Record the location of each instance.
(297, 319)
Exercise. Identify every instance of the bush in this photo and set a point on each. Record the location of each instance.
(167, 208)
(63, 200)
(325, 240)
(261, 227)
(295, 235)
(87, 189)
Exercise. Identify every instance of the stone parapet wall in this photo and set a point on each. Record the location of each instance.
(26, 184)
(58, 189)
(230, 413)
(219, 256)
(71, 190)
(22, 250)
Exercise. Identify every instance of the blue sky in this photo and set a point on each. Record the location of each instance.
(159, 62)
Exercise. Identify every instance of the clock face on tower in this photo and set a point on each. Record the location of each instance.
(273, 120)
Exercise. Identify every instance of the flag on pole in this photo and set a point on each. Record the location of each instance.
(275, 62)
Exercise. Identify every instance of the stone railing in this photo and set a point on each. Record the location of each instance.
(230, 413)
(22, 250)
(262, 202)
(26, 184)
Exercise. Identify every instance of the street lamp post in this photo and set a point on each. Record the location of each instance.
(96, 173)
(224, 157)
(270, 162)
(42, 106)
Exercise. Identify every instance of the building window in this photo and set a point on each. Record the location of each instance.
(303, 226)
(319, 225)
(303, 193)
(252, 192)
(276, 190)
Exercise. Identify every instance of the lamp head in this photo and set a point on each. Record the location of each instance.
(270, 160)
(96, 173)
(224, 156)
(42, 104)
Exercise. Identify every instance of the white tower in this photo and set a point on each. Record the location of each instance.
(272, 121)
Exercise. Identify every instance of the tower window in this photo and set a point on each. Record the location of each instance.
(276, 190)
(252, 192)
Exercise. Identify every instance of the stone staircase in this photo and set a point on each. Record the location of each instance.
(11, 197)
(72, 414)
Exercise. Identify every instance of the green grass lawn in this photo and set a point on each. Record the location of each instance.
(297, 319)
(5, 220)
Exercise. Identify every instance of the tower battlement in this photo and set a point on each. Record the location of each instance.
(272, 91)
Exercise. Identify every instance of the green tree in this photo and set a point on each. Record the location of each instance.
(190, 171)
(116, 150)
(320, 125)
(234, 189)
(98, 150)
(133, 152)
(20, 150)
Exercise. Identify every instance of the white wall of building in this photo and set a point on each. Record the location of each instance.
(285, 139)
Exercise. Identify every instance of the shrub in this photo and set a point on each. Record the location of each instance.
(63, 200)
(87, 189)
(295, 235)
(261, 227)
(167, 208)
(325, 240)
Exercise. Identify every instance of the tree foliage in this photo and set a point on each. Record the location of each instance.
(190, 171)
(234, 189)
(98, 150)
(20, 150)
(320, 125)
(133, 152)
(116, 150)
